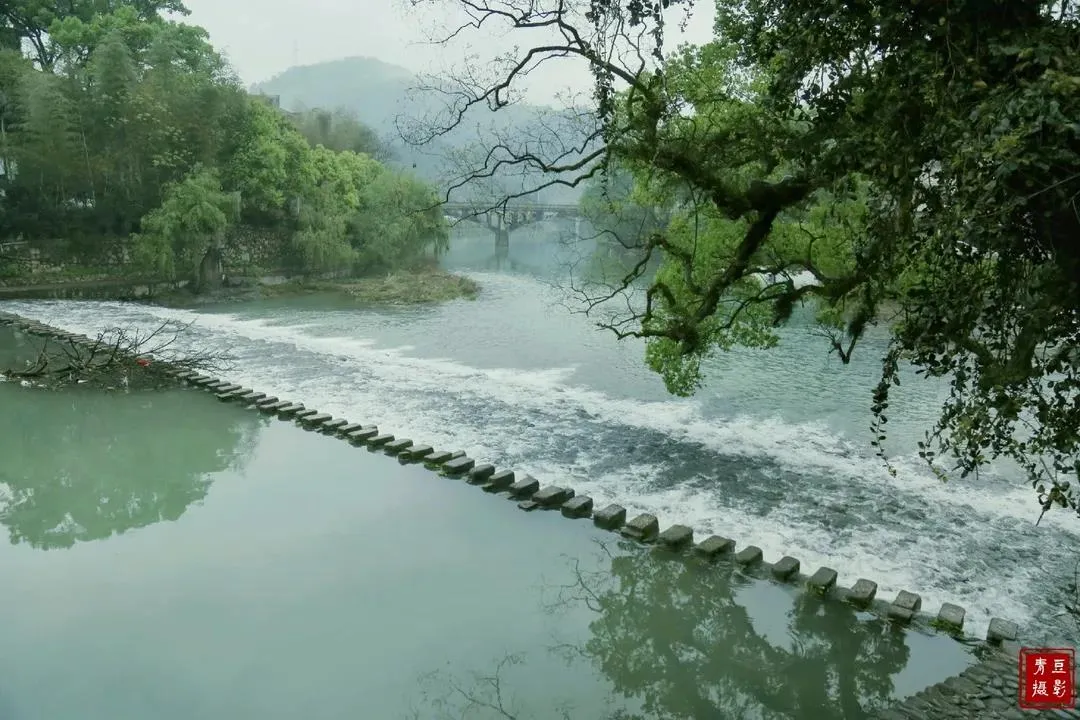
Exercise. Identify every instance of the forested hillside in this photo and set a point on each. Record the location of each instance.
(125, 137)
(389, 99)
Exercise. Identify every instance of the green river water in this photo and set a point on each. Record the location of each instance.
(172, 557)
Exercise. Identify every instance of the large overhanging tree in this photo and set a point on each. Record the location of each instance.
(919, 160)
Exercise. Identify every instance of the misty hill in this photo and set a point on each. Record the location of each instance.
(377, 93)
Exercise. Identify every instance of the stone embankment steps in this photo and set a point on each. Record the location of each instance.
(988, 690)
(905, 608)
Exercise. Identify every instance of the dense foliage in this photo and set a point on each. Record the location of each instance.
(126, 136)
(917, 157)
(909, 163)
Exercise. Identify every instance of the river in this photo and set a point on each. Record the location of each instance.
(773, 451)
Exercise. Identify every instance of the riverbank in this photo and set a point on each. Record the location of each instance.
(413, 287)
(418, 286)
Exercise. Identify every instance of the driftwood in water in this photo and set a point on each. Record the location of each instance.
(117, 357)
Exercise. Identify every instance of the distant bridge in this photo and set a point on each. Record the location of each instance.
(503, 219)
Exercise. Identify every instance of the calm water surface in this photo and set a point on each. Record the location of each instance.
(774, 451)
(174, 558)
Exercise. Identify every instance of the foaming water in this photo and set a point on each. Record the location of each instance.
(517, 381)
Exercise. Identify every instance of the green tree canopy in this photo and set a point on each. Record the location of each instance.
(914, 164)
(134, 139)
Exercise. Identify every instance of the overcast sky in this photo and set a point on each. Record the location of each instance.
(263, 37)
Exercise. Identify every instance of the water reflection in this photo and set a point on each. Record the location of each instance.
(84, 465)
(679, 639)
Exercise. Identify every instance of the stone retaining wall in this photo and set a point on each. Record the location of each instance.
(905, 608)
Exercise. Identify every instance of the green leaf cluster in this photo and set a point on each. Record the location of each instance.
(883, 162)
(127, 135)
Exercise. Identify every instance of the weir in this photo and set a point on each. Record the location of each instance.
(986, 690)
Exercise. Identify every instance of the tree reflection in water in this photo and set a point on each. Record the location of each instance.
(84, 465)
(676, 641)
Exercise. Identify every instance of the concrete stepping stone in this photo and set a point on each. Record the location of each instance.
(951, 617)
(363, 434)
(862, 592)
(749, 555)
(418, 452)
(611, 517)
(458, 465)
(643, 528)
(578, 507)
(396, 446)
(333, 424)
(676, 537)
(311, 418)
(480, 474)
(499, 481)
(785, 567)
(714, 546)
(525, 487)
(438, 457)
(823, 580)
(553, 496)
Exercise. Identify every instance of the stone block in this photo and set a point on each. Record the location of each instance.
(437, 458)
(275, 407)
(525, 487)
(610, 518)
(528, 505)
(785, 567)
(199, 379)
(714, 546)
(900, 614)
(396, 446)
(217, 385)
(643, 528)
(379, 440)
(364, 433)
(1001, 631)
(676, 537)
(862, 592)
(553, 496)
(822, 581)
(457, 454)
(908, 601)
(228, 387)
(749, 555)
(499, 481)
(226, 396)
(480, 474)
(348, 428)
(578, 506)
(333, 424)
(266, 402)
(458, 465)
(951, 617)
(291, 409)
(253, 396)
(312, 418)
(418, 452)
